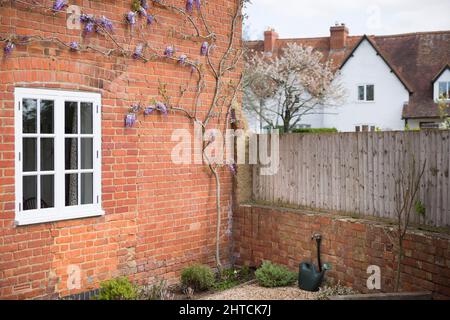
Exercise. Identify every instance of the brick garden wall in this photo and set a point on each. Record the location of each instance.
(160, 217)
(350, 246)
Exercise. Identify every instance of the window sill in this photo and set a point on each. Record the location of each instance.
(29, 220)
(365, 102)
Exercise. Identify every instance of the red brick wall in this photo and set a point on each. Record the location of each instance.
(350, 246)
(159, 217)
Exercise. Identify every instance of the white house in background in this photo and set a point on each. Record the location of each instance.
(391, 81)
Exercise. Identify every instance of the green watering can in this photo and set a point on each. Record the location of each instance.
(310, 278)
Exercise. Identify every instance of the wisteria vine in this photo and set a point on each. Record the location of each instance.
(224, 93)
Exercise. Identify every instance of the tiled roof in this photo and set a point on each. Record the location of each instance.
(416, 59)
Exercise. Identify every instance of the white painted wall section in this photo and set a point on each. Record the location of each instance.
(385, 112)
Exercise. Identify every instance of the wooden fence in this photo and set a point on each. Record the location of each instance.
(356, 172)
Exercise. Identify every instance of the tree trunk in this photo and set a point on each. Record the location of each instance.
(286, 125)
(219, 221)
(399, 264)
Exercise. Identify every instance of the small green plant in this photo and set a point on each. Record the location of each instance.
(407, 127)
(117, 289)
(246, 273)
(233, 277)
(273, 275)
(229, 279)
(337, 290)
(198, 277)
(157, 291)
(420, 208)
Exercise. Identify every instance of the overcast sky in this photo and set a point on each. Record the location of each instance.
(312, 18)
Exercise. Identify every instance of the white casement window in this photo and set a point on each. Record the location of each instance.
(366, 92)
(58, 155)
(444, 90)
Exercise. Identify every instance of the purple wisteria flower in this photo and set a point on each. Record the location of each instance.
(74, 46)
(135, 108)
(161, 107)
(85, 17)
(138, 51)
(182, 59)
(149, 110)
(198, 4)
(131, 17)
(58, 5)
(169, 51)
(204, 48)
(9, 47)
(89, 27)
(144, 4)
(105, 23)
(130, 120)
(142, 12)
(150, 19)
(189, 5)
(233, 168)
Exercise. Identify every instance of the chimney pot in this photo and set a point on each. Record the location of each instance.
(270, 40)
(338, 37)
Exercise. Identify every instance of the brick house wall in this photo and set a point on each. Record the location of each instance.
(159, 217)
(349, 245)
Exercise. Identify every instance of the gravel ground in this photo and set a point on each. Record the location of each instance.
(255, 292)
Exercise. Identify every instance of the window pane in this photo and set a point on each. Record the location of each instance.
(47, 154)
(47, 192)
(71, 153)
(442, 90)
(370, 93)
(47, 107)
(29, 154)
(361, 93)
(86, 153)
(429, 125)
(29, 118)
(29, 193)
(86, 117)
(71, 117)
(86, 188)
(71, 189)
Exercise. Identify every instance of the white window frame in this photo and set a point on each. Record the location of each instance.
(60, 211)
(365, 85)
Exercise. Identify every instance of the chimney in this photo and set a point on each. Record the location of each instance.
(270, 40)
(338, 36)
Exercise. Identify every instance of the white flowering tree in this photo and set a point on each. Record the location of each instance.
(282, 90)
(444, 112)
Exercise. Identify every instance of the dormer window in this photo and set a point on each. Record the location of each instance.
(444, 90)
(441, 84)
